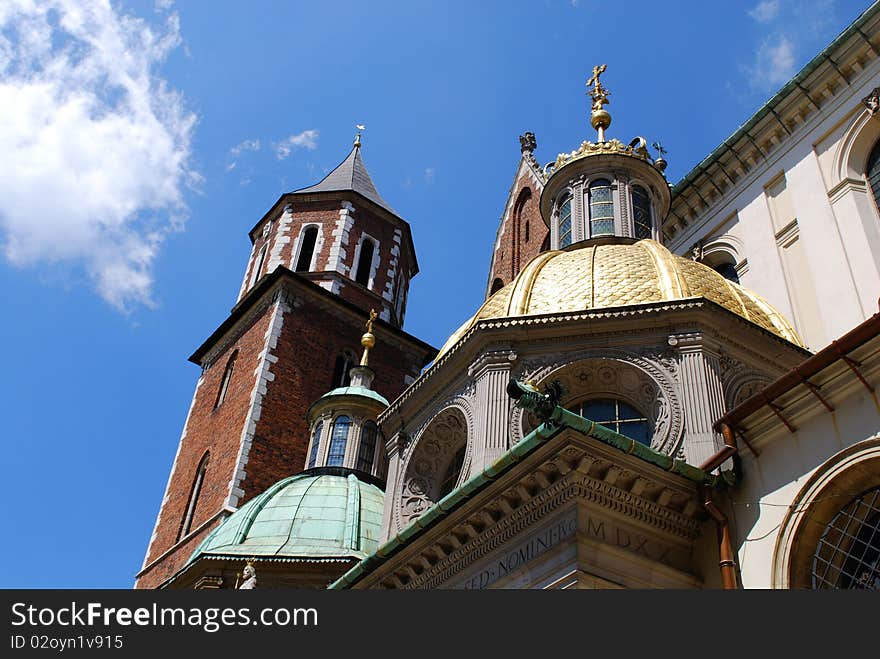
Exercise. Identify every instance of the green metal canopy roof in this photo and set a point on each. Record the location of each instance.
(356, 391)
(322, 513)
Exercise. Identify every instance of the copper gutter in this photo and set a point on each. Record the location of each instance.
(838, 350)
(727, 560)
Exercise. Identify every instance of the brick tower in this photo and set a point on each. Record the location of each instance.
(321, 258)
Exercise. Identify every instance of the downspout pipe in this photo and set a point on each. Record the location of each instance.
(726, 557)
(727, 561)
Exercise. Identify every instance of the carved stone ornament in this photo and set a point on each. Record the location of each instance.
(248, 578)
(425, 468)
(646, 382)
(528, 143)
(872, 101)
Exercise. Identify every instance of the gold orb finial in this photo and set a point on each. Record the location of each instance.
(368, 340)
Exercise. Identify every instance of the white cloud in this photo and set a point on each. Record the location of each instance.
(429, 175)
(238, 149)
(308, 139)
(95, 145)
(764, 11)
(246, 145)
(774, 63)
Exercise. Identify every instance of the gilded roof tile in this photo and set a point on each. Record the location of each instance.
(615, 275)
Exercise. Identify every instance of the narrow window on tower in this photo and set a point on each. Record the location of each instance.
(641, 202)
(186, 522)
(224, 383)
(601, 208)
(255, 275)
(341, 370)
(338, 440)
(316, 442)
(306, 249)
(497, 285)
(527, 231)
(365, 261)
(367, 448)
(565, 224)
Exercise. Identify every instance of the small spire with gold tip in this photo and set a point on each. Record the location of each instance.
(357, 138)
(600, 119)
(368, 340)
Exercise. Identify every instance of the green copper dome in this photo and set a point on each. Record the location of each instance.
(356, 391)
(319, 514)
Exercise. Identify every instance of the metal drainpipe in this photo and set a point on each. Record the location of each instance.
(727, 560)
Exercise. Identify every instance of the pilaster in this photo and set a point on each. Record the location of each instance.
(702, 395)
(491, 373)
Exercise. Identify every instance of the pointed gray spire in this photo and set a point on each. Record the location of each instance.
(351, 174)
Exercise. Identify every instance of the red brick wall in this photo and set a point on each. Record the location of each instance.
(519, 245)
(208, 429)
(311, 338)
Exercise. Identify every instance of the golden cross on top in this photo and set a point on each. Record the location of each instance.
(597, 91)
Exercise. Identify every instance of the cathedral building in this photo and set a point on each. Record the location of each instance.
(668, 384)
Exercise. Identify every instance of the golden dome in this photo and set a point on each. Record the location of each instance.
(617, 274)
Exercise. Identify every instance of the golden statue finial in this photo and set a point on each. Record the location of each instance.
(600, 119)
(368, 340)
(357, 138)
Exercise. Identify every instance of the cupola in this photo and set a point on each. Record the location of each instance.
(606, 188)
(342, 423)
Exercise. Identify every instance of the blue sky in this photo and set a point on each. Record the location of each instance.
(141, 140)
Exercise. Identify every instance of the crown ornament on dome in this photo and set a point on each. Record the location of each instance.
(600, 119)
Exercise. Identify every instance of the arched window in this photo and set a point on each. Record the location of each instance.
(224, 383)
(619, 417)
(452, 473)
(186, 522)
(727, 269)
(367, 448)
(316, 442)
(497, 285)
(527, 231)
(307, 249)
(601, 208)
(259, 264)
(365, 261)
(872, 173)
(338, 440)
(848, 553)
(565, 224)
(641, 202)
(344, 363)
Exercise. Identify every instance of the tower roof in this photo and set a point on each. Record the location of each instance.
(351, 174)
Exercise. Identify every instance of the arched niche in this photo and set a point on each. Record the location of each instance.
(434, 451)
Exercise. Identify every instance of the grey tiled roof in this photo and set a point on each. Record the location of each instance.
(351, 174)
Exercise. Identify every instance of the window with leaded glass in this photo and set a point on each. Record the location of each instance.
(848, 553)
(316, 442)
(367, 448)
(565, 224)
(619, 417)
(338, 439)
(641, 202)
(601, 208)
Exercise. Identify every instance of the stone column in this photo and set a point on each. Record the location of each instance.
(702, 395)
(394, 448)
(491, 373)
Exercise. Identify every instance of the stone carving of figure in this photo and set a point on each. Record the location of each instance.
(872, 101)
(528, 143)
(249, 578)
